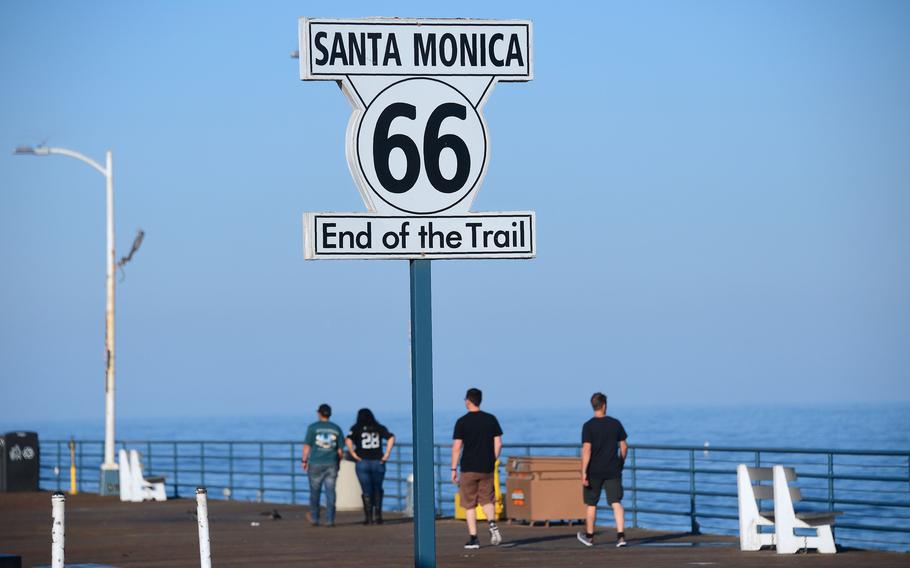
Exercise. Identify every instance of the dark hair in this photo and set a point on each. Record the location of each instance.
(474, 396)
(325, 410)
(599, 401)
(365, 417)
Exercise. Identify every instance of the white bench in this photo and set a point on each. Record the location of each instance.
(783, 518)
(133, 485)
(751, 519)
(786, 519)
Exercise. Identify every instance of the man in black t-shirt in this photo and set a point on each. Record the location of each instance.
(478, 440)
(601, 467)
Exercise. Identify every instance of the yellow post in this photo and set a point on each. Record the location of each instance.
(73, 489)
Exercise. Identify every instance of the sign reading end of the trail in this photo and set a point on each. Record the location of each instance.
(417, 143)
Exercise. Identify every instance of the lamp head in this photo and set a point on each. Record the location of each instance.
(31, 150)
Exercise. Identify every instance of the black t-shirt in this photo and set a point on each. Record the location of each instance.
(604, 435)
(367, 440)
(476, 430)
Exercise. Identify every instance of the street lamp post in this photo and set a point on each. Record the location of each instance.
(110, 477)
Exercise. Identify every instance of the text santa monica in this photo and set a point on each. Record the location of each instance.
(379, 48)
(464, 50)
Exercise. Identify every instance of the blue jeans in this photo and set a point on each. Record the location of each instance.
(370, 473)
(323, 474)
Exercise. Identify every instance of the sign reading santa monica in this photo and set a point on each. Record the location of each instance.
(417, 143)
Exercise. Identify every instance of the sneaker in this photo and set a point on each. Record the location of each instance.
(313, 522)
(472, 542)
(620, 542)
(495, 536)
(583, 538)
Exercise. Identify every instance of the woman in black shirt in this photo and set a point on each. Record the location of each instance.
(364, 442)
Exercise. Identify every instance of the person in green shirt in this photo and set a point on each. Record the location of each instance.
(321, 454)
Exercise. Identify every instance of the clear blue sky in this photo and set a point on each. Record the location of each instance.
(722, 191)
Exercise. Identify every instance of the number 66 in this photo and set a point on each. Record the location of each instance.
(433, 145)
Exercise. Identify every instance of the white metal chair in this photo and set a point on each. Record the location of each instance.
(126, 480)
(786, 519)
(751, 519)
(143, 488)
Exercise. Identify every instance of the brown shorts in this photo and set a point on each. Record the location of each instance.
(476, 489)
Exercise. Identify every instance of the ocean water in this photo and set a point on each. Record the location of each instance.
(862, 426)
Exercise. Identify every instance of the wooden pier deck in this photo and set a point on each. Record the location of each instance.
(103, 530)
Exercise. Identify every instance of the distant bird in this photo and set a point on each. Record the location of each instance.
(273, 514)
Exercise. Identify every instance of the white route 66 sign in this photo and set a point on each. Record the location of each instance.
(417, 143)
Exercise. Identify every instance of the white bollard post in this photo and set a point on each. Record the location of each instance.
(58, 504)
(202, 512)
(409, 500)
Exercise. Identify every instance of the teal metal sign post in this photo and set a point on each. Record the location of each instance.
(422, 413)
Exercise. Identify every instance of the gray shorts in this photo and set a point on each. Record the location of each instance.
(591, 492)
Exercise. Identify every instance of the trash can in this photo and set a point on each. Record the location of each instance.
(544, 489)
(10, 561)
(19, 463)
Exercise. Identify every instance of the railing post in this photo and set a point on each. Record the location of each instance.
(59, 456)
(231, 469)
(79, 468)
(293, 476)
(202, 461)
(693, 521)
(398, 475)
(261, 472)
(438, 476)
(757, 458)
(830, 481)
(148, 456)
(634, 490)
(176, 474)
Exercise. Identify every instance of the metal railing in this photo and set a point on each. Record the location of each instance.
(687, 488)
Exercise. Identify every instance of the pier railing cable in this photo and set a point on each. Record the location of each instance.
(670, 487)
